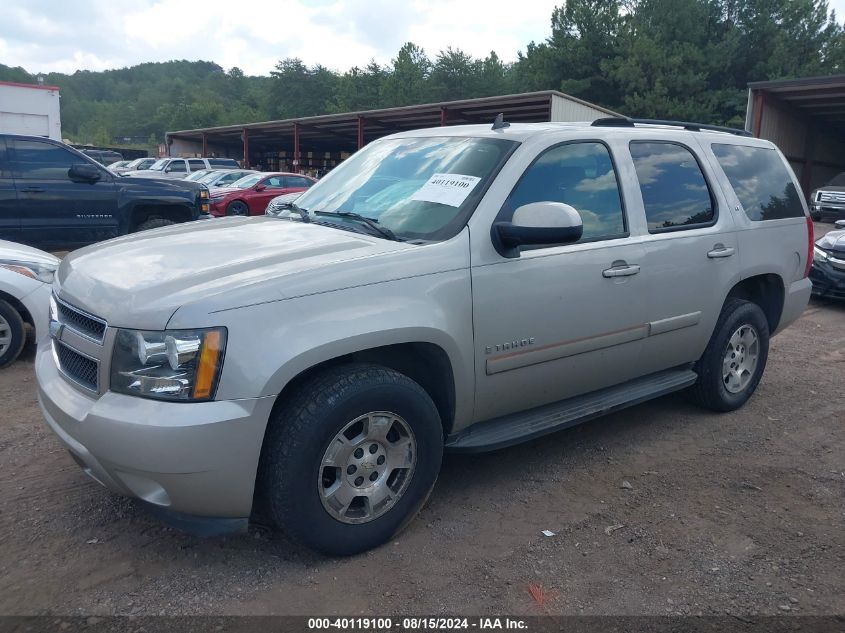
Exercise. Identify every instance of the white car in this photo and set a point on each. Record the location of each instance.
(26, 275)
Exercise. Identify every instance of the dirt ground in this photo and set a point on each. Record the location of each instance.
(741, 513)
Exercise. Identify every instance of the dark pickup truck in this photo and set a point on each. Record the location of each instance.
(53, 196)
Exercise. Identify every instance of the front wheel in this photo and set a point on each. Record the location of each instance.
(733, 362)
(237, 208)
(350, 458)
(12, 334)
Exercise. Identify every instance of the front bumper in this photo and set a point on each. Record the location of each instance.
(195, 459)
(828, 281)
(828, 210)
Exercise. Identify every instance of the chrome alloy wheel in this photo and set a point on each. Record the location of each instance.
(367, 467)
(5, 335)
(740, 359)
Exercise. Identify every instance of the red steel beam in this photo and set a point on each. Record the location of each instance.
(245, 136)
(360, 132)
(296, 148)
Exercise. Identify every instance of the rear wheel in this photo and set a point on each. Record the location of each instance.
(12, 334)
(351, 458)
(237, 207)
(733, 363)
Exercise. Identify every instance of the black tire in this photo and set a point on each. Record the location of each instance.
(154, 223)
(299, 434)
(710, 391)
(238, 207)
(11, 326)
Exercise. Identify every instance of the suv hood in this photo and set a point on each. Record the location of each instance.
(140, 280)
(833, 241)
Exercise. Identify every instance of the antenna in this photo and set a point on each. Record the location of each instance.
(499, 122)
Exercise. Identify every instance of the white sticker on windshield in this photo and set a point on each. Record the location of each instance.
(451, 189)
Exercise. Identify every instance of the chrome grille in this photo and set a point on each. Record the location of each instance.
(81, 322)
(832, 196)
(82, 370)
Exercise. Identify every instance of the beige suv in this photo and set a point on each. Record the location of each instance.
(458, 288)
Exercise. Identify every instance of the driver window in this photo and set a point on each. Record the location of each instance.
(577, 174)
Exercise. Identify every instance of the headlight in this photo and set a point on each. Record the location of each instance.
(36, 270)
(819, 255)
(181, 365)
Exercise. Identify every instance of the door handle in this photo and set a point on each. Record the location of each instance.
(32, 190)
(720, 250)
(621, 269)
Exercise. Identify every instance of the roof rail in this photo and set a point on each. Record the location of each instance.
(693, 127)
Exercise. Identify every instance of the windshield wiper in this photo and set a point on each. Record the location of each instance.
(303, 213)
(370, 222)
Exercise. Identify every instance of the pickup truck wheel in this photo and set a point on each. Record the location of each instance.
(732, 365)
(237, 208)
(154, 223)
(351, 458)
(12, 334)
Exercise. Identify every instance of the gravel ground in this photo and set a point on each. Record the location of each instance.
(660, 509)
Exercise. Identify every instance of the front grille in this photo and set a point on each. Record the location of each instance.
(77, 367)
(832, 196)
(86, 324)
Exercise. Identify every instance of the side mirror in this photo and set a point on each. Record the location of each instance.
(538, 223)
(839, 224)
(260, 187)
(84, 172)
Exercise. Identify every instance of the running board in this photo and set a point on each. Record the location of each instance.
(525, 425)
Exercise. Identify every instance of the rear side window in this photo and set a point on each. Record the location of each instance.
(196, 165)
(675, 192)
(297, 181)
(222, 162)
(760, 180)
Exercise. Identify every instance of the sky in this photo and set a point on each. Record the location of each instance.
(62, 36)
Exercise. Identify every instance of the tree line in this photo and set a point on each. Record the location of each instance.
(675, 59)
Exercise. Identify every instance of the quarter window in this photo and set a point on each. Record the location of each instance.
(43, 161)
(675, 193)
(760, 180)
(580, 175)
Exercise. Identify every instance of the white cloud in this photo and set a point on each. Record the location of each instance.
(41, 35)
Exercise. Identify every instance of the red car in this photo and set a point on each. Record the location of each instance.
(251, 194)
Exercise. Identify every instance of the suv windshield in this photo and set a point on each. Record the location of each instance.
(838, 180)
(419, 188)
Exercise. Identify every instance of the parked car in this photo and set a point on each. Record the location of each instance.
(280, 206)
(178, 168)
(25, 278)
(53, 196)
(828, 272)
(464, 288)
(120, 164)
(251, 194)
(216, 178)
(139, 164)
(103, 156)
(829, 201)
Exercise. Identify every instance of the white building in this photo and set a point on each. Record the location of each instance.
(30, 109)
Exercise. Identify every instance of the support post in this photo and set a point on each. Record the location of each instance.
(360, 131)
(204, 144)
(809, 159)
(759, 104)
(296, 160)
(245, 137)
(444, 115)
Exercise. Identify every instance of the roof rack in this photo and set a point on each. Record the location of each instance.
(693, 127)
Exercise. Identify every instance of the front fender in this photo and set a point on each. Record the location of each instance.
(271, 343)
